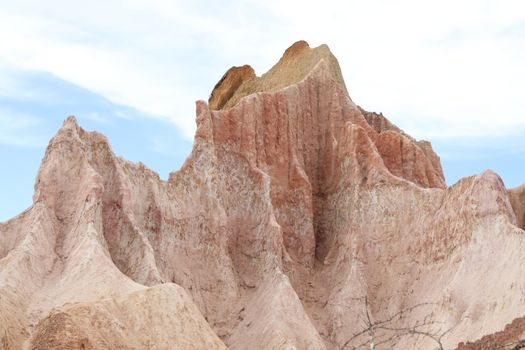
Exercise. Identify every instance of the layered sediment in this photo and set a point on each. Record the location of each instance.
(294, 206)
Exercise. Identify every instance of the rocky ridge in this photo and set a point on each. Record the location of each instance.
(294, 206)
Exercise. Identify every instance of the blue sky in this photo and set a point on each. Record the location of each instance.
(450, 71)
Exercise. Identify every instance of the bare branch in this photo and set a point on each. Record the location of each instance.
(389, 331)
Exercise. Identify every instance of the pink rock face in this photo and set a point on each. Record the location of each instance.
(517, 199)
(512, 337)
(294, 205)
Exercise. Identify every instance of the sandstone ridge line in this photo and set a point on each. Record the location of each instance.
(296, 214)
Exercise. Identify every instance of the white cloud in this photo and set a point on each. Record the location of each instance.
(439, 69)
(150, 55)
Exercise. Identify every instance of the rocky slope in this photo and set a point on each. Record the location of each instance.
(297, 216)
(517, 199)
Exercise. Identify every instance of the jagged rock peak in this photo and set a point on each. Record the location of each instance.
(304, 93)
(71, 120)
(295, 64)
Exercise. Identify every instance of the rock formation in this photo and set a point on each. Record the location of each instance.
(512, 338)
(517, 199)
(294, 206)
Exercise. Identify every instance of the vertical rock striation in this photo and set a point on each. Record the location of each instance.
(294, 205)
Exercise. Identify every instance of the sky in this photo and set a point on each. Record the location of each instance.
(449, 71)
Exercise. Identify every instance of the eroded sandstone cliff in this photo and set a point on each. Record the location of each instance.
(517, 199)
(294, 207)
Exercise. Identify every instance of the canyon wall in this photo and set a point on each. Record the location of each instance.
(296, 215)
